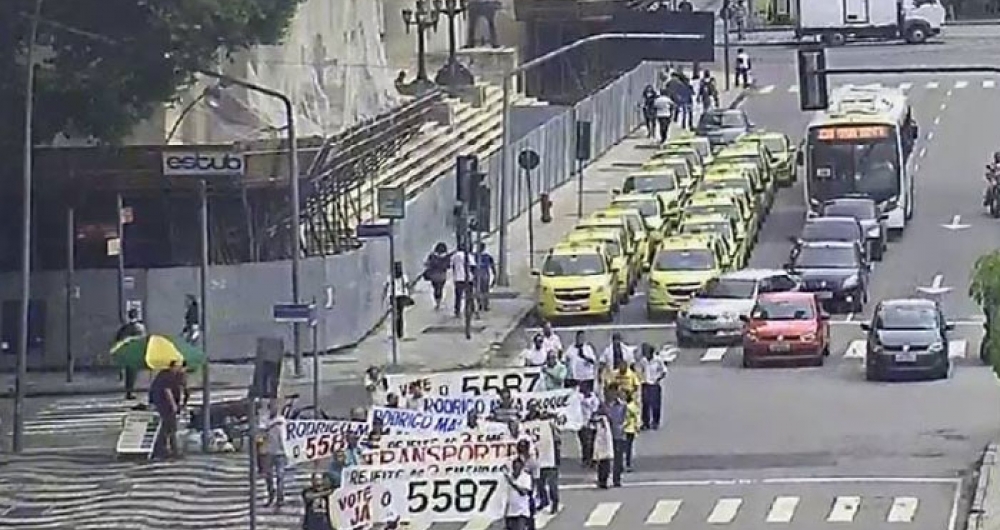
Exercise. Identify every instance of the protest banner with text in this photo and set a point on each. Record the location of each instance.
(357, 507)
(472, 382)
(406, 421)
(544, 441)
(360, 475)
(564, 404)
(309, 440)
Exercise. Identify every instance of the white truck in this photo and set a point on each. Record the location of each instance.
(837, 21)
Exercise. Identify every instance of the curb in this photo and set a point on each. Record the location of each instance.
(977, 509)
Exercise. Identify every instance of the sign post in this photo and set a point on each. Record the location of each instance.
(528, 161)
(392, 206)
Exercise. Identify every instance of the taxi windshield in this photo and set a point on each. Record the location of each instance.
(726, 183)
(731, 288)
(574, 265)
(784, 310)
(646, 207)
(650, 183)
(685, 260)
(904, 318)
(703, 148)
(679, 166)
(723, 120)
(741, 157)
(708, 209)
(708, 227)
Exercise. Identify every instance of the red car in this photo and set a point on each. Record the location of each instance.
(784, 328)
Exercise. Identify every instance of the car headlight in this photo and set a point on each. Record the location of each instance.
(851, 282)
(808, 337)
(874, 232)
(937, 347)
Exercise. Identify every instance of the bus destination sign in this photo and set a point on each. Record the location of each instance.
(856, 132)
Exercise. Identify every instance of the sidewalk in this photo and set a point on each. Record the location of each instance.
(984, 510)
(436, 340)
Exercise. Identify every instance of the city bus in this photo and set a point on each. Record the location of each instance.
(860, 146)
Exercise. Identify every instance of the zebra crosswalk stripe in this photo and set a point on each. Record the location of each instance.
(856, 350)
(602, 514)
(956, 349)
(903, 510)
(544, 518)
(989, 83)
(931, 85)
(961, 84)
(844, 509)
(794, 89)
(664, 512)
(905, 86)
(767, 89)
(725, 510)
(714, 355)
(782, 509)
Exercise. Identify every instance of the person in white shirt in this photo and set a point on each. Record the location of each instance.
(273, 428)
(552, 341)
(415, 397)
(652, 372)
(397, 294)
(617, 352)
(518, 514)
(589, 405)
(663, 106)
(742, 67)
(536, 354)
(463, 265)
(582, 363)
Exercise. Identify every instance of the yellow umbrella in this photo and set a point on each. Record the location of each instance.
(155, 352)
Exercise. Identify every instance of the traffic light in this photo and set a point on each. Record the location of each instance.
(466, 166)
(812, 78)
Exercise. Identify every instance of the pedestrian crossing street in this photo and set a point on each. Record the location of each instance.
(94, 416)
(960, 351)
(943, 85)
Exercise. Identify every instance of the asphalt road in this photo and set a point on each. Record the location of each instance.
(732, 424)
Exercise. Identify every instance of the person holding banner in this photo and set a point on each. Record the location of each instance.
(652, 372)
(548, 475)
(551, 341)
(316, 499)
(589, 405)
(274, 455)
(554, 372)
(518, 514)
(415, 397)
(582, 363)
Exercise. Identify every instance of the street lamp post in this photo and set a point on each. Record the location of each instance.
(423, 18)
(293, 177)
(453, 73)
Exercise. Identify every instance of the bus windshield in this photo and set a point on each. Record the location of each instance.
(843, 162)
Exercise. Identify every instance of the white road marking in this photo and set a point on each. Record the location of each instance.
(766, 90)
(602, 514)
(932, 84)
(948, 93)
(989, 83)
(856, 350)
(782, 509)
(777, 481)
(714, 355)
(478, 523)
(844, 509)
(937, 120)
(903, 509)
(930, 135)
(944, 106)
(923, 151)
(543, 518)
(725, 511)
(905, 86)
(956, 349)
(664, 511)
(961, 84)
(794, 89)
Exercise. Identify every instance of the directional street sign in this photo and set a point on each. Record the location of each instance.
(293, 313)
(391, 202)
(373, 230)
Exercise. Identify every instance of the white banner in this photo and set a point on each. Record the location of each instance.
(563, 403)
(359, 507)
(458, 450)
(360, 475)
(474, 382)
(309, 440)
(454, 498)
(544, 441)
(406, 421)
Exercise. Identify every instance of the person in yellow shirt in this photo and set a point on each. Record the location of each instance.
(626, 379)
(633, 413)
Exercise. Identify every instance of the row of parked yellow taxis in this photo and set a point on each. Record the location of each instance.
(684, 217)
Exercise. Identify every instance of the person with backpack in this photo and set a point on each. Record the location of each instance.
(132, 328)
(708, 92)
(649, 110)
(436, 271)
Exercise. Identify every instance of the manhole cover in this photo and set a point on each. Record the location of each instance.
(447, 330)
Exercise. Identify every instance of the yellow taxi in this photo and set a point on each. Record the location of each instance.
(656, 213)
(725, 227)
(687, 173)
(624, 267)
(639, 233)
(763, 194)
(692, 155)
(698, 143)
(576, 280)
(749, 209)
(616, 224)
(782, 152)
(732, 176)
(683, 264)
(658, 180)
(755, 154)
(705, 203)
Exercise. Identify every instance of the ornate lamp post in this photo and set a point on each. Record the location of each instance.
(422, 18)
(453, 73)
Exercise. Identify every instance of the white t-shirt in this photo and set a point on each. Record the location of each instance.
(398, 286)
(743, 61)
(519, 505)
(580, 369)
(535, 357)
(588, 406)
(459, 260)
(608, 355)
(651, 370)
(552, 343)
(275, 429)
(663, 106)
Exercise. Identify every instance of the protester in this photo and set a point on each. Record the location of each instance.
(334, 471)
(518, 513)
(683, 101)
(582, 363)
(603, 448)
(649, 110)
(316, 500)
(392, 401)
(436, 271)
(183, 391)
(708, 92)
(132, 328)
(273, 430)
(548, 481)
(589, 407)
(616, 353)
(614, 411)
(554, 372)
(462, 266)
(353, 451)
(652, 372)
(192, 320)
(506, 410)
(535, 354)
(415, 397)
(397, 295)
(486, 274)
(625, 379)
(552, 341)
(631, 426)
(163, 397)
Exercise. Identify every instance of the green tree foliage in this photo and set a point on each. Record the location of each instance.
(985, 290)
(105, 65)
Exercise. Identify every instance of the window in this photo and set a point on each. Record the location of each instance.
(646, 207)
(730, 288)
(860, 210)
(827, 257)
(828, 230)
(783, 283)
(907, 318)
(784, 310)
(650, 183)
(685, 260)
(574, 265)
(775, 144)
